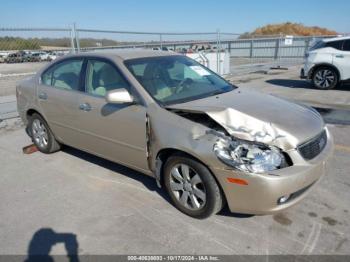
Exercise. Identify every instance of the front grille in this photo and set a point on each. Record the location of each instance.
(314, 146)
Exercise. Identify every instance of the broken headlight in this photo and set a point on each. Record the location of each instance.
(249, 157)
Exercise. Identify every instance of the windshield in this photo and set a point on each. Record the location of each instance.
(317, 45)
(176, 79)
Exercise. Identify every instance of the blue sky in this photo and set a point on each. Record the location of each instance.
(175, 15)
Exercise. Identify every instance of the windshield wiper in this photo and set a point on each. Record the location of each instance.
(218, 92)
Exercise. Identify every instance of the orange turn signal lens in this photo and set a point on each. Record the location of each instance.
(237, 181)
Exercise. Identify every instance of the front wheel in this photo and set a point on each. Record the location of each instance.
(42, 136)
(191, 187)
(325, 78)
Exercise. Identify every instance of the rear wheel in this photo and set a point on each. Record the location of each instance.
(325, 78)
(42, 136)
(191, 187)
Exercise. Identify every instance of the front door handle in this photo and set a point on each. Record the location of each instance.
(42, 96)
(339, 56)
(85, 107)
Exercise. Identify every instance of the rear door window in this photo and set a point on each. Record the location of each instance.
(336, 44)
(65, 75)
(346, 46)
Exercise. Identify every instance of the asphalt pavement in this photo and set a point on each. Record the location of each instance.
(110, 209)
(78, 200)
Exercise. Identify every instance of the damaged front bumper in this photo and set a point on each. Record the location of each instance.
(261, 193)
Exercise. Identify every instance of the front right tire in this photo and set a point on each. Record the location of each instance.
(191, 187)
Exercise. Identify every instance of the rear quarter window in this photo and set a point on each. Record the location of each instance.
(346, 46)
(336, 44)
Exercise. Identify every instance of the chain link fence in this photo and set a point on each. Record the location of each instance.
(33, 47)
(23, 51)
(19, 45)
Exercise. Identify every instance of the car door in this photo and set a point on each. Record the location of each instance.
(58, 98)
(343, 60)
(114, 131)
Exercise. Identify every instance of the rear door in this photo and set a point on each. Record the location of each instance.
(340, 57)
(343, 59)
(114, 131)
(58, 98)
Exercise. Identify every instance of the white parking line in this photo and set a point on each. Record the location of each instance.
(17, 74)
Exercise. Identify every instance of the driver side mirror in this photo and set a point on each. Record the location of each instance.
(119, 96)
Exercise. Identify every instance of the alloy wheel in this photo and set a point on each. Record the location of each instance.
(39, 133)
(187, 187)
(324, 78)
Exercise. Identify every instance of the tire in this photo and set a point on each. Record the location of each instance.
(42, 135)
(325, 77)
(196, 199)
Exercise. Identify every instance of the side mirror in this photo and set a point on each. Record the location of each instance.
(119, 96)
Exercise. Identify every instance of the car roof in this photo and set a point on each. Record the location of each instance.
(127, 53)
(339, 38)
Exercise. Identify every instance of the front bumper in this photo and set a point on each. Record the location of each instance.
(262, 192)
(305, 72)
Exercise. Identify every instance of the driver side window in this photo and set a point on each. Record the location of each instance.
(102, 77)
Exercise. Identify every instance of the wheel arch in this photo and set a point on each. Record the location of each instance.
(29, 113)
(165, 153)
(32, 111)
(315, 67)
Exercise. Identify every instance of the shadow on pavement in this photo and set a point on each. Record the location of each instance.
(293, 83)
(227, 213)
(148, 182)
(45, 238)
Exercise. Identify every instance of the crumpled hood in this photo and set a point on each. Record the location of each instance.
(258, 117)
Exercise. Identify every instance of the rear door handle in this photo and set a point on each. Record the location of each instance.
(42, 96)
(85, 107)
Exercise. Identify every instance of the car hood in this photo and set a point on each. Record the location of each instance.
(258, 117)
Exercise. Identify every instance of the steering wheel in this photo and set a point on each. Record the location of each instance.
(183, 85)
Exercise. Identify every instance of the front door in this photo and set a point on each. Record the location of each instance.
(113, 131)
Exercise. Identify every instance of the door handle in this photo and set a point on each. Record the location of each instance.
(85, 107)
(42, 96)
(339, 56)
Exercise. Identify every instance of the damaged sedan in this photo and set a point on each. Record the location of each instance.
(205, 141)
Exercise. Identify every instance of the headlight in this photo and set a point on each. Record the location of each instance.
(249, 157)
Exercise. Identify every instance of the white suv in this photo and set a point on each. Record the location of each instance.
(327, 63)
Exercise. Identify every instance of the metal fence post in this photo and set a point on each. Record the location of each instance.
(277, 47)
(72, 37)
(76, 37)
(307, 45)
(161, 41)
(251, 48)
(218, 47)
